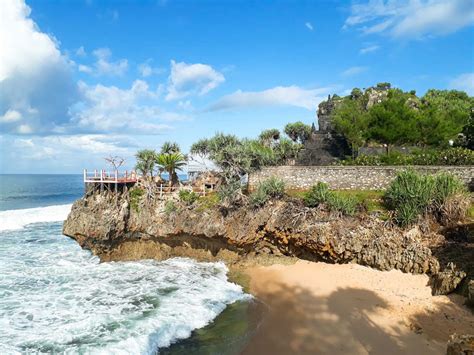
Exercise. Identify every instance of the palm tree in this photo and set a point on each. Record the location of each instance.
(170, 163)
(170, 147)
(146, 159)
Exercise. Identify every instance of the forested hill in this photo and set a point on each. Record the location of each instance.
(385, 115)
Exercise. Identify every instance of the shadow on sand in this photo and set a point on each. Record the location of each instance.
(341, 323)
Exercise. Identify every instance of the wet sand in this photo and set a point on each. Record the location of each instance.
(318, 308)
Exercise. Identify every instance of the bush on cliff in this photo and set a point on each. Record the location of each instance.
(412, 194)
(170, 207)
(188, 197)
(135, 194)
(266, 190)
(320, 194)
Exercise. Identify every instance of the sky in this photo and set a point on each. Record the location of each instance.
(81, 80)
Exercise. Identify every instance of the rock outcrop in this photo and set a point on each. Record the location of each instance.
(105, 224)
(460, 345)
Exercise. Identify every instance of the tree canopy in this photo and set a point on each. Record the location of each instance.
(401, 118)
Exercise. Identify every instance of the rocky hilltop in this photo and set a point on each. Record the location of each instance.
(115, 229)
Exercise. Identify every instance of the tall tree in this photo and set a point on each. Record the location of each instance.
(298, 131)
(171, 163)
(145, 161)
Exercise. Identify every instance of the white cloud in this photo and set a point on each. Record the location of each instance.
(309, 26)
(192, 79)
(369, 49)
(111, 109)
(464, 82)
(81, 52)
(11, 116)
(353, 71)
(277, 96)
(105, 67)
(84, 69)
(31, 69)
(62, 147)
(411, 19)
(145, 69)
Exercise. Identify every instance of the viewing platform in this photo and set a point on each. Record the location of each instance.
(110, 177)
(109, 180)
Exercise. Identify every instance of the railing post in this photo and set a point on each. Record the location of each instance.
(95, 173)
(116, 176)
(85, 174)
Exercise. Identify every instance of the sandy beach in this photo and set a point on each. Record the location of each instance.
(350, 309)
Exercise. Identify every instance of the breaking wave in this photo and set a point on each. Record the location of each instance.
(18, 219)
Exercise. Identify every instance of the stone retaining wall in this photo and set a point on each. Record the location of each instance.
(350, 177)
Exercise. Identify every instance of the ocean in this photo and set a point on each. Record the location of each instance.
(58, 298)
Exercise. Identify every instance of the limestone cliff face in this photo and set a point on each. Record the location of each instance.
(105, 224)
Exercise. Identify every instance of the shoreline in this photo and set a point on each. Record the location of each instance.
(314, 307)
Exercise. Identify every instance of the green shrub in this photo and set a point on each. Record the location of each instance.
(135, 194)
(188, 197)
(450, 156)
(230, 194)
(412, 194)
(170, 207)
(344, 204)
(318, 194)
(270, 188)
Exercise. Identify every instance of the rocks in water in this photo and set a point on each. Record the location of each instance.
(460, 345)
(447, 280)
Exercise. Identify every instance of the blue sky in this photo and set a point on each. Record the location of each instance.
(81, 80)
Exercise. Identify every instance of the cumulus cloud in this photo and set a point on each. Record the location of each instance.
(411, 19)
(464, 82)
(192, 79)
(309, 26)
(103, 65)
(36, 85)
(63, 146)
(145, 69)
(277, 96)
(369, 49)
(111, 109)
(354, 71)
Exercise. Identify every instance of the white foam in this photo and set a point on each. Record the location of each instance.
(18, 219)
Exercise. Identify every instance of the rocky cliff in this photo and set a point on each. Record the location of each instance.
(106, 224)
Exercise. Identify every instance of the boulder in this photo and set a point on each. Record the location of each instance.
(460, 345)
(447, 280)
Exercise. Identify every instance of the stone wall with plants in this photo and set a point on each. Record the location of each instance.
(350, 177)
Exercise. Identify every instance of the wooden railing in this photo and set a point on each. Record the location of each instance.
(115, 176)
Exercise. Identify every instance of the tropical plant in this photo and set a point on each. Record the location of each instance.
(412, 194)
(298, 131)
(269, 137)
(146, 159)
(171, 163)
(266, 190)
(320, 194)
(170, 147)
(188, 197)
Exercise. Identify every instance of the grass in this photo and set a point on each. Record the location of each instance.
(208, 202)
(370, 199)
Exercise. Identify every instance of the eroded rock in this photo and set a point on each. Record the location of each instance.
(447, 280)
(460, 345)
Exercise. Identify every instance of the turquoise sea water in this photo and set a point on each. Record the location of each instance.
(57, 298)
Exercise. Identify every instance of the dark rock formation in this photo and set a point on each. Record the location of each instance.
(447, 280)
(460, 345)
(105, 224)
